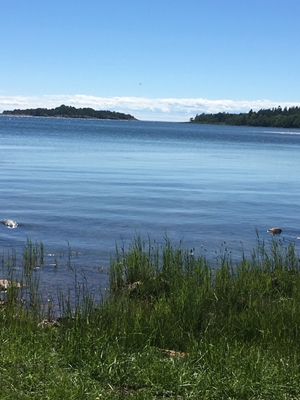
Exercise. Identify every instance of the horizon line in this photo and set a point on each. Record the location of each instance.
(144, 108)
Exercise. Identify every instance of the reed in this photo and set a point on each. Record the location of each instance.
(173, 325)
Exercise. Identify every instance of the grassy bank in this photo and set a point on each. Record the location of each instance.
(173, 326)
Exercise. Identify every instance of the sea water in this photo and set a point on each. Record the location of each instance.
(81, 186)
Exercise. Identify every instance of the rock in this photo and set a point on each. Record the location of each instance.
(173, 353)
(274, 231)
(45, 323)
(133, 286)
(4, 284)
(9, 223)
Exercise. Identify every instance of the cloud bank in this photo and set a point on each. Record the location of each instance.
(150, 109)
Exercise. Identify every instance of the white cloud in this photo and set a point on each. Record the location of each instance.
(160, 109)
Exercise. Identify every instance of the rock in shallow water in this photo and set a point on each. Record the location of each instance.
(4, 284)
(274, 231)
(9, 223)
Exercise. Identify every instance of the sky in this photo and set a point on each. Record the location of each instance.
(158, 60)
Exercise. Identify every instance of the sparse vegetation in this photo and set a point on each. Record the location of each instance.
(171, 326)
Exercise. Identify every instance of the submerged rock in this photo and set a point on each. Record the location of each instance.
(9, 223)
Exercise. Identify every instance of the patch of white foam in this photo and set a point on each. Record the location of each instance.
(284, 132)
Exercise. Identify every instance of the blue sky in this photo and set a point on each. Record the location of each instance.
(157, 60)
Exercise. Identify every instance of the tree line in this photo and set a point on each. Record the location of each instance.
(70, 112)
(275, 117)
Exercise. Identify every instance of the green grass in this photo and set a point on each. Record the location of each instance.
(233, 328)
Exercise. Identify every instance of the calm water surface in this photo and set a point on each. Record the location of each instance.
(94, 183)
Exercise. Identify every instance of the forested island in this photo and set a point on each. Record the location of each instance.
(69, 112)
(275, 117)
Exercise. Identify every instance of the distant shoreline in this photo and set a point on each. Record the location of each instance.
(65, 117)
(288, 118)
(69, 112)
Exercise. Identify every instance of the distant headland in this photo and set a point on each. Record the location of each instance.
(70, 112)
(275, 117)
